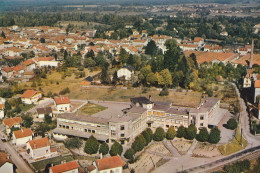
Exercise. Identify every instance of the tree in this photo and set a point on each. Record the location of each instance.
(164, 92)
(3, 34)
(171, 133)
(47, 119)
(123, 56)
(151, 48)
(232, 124)
(151, 79)
(139, 143)
(214, 135)
(116, 149)
(42, 40)
(172, 55)
(181, 132)
(91, 145)
(73, 143)
(115, 78)
(89, 62)
(7, 106)
(42, 128)
(159, 134)
(147, 136)
(165, 78)
(104, 75)
(104, 148)
(129, 154)
(27, 121)
(191, 132)
(203, 135)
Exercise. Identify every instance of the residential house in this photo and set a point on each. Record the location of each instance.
(126, 71)
(69, 167)
(106, 165)
(46, 62)
(188, 47)
(41, 112)
(7, 72)
(242, 51)
(22, 136)
(2, 111)
(62, 104)
(29, 65)
(18, 71)
(12, 122)
(31, 97)
(6, 165)
(199, 41)
(39, 148)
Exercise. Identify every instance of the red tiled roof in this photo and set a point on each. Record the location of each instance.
(198, 39)
(29, 93)
(110, 162)
(4, 158)
(18, 68)
(257, 84)
(2, 106)
(62, 100)
(44, 59)
(91, 168)
(39, 143)
(22, 133)
(7, 69)
(65, 167)
(10, 122)
(28, 62)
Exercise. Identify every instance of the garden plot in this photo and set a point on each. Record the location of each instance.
(182, 146)
(206, 150)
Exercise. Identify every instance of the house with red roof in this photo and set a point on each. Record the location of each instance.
(39, 148)
(21, 137)
(110, 164)
(6, 164)
(12, 122)
(31, 96)
(7, 72)
(62, 104)
(29, 65)
(69, 167)
(46, 62)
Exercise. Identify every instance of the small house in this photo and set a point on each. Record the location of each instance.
(31, 97)
(69, 167)
(39, 148)
(62, 104)
(22, 136)
(126, 72)
(12, 122)
(41, 112)
(6, 165)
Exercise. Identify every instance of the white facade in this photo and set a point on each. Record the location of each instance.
(2, 113)
(39, 152)
(63, 107)
(59, 137)
(30, 67)
(21, 141)
(7, 168)
(124, 72)
(33, 100)
(115, 170)
(48, 63)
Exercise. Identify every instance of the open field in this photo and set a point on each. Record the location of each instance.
(206, 150)
(233, 146)
(182, 145)
(90, 109)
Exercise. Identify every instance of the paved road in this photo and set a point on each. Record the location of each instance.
(41, 104)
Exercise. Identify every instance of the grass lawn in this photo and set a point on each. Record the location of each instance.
(40, 165)
(26, 107)
(234, 146)
(90, 109)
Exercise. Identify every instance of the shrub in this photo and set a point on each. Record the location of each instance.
(214, 135)
(181, 132)
(73, 143)
(129, 154)
(147, 137)
(232, 124)
(171, 133)
(91, 145)
(104, 148)
(116, 148)
(159, 134)
(203, 135)
(164, 92)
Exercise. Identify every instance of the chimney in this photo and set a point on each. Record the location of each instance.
(251, 54)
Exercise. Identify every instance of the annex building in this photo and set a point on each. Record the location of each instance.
(124, 121)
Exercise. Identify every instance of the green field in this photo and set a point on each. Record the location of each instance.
(90, 109)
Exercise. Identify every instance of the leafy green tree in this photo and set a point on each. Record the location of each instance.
(203, 135)
(7, 106)
(73, 143)
(89, 62)
(232, 124)
(91, 145)
(151, 79)
(165, 78)
(143, 74)
(171, 133)
(3, 34)
(164, 92)
(42, 40)
(123, 56)
(27, 121)
(147, 136)
(139, 143)
(172, 55)
(150, 132)
(90, 54)
(42, 128)
(104, 148)
(159, 134)
(47, 119)
(116, 148)
(151, 48)
(191, 132)
(130, 60)
(214, 135)
(129, 154)
(104, 75)
(181, 132)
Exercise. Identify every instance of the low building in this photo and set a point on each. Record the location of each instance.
(126, 72)
(69, 167)
(41, 112)
(21, 137)
(105, 165)
(31, 97)
(6, 165)
(39, 148)
(62, 104)
(12, 122)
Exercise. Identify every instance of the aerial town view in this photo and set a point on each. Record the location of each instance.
(130, 86)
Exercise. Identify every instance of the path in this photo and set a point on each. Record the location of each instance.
(41, 104)
(168, 145)
(192, 147)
